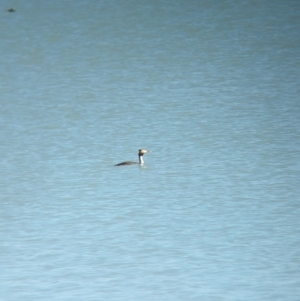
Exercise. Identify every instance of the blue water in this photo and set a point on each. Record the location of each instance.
(211, 88)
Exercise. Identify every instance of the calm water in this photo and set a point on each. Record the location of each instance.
(211, 88)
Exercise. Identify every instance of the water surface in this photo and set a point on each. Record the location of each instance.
(211, 88)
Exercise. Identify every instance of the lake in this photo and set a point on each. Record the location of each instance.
(211, 89)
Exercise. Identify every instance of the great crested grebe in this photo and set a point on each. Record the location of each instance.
(141, 161)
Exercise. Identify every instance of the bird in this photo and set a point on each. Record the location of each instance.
(141, 161)
(11, 10)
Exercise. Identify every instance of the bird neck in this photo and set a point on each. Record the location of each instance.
(141, 161)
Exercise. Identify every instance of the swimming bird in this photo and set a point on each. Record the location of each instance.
(141, 161)
(11, 10)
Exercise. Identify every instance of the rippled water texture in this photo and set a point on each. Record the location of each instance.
(211, 88)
